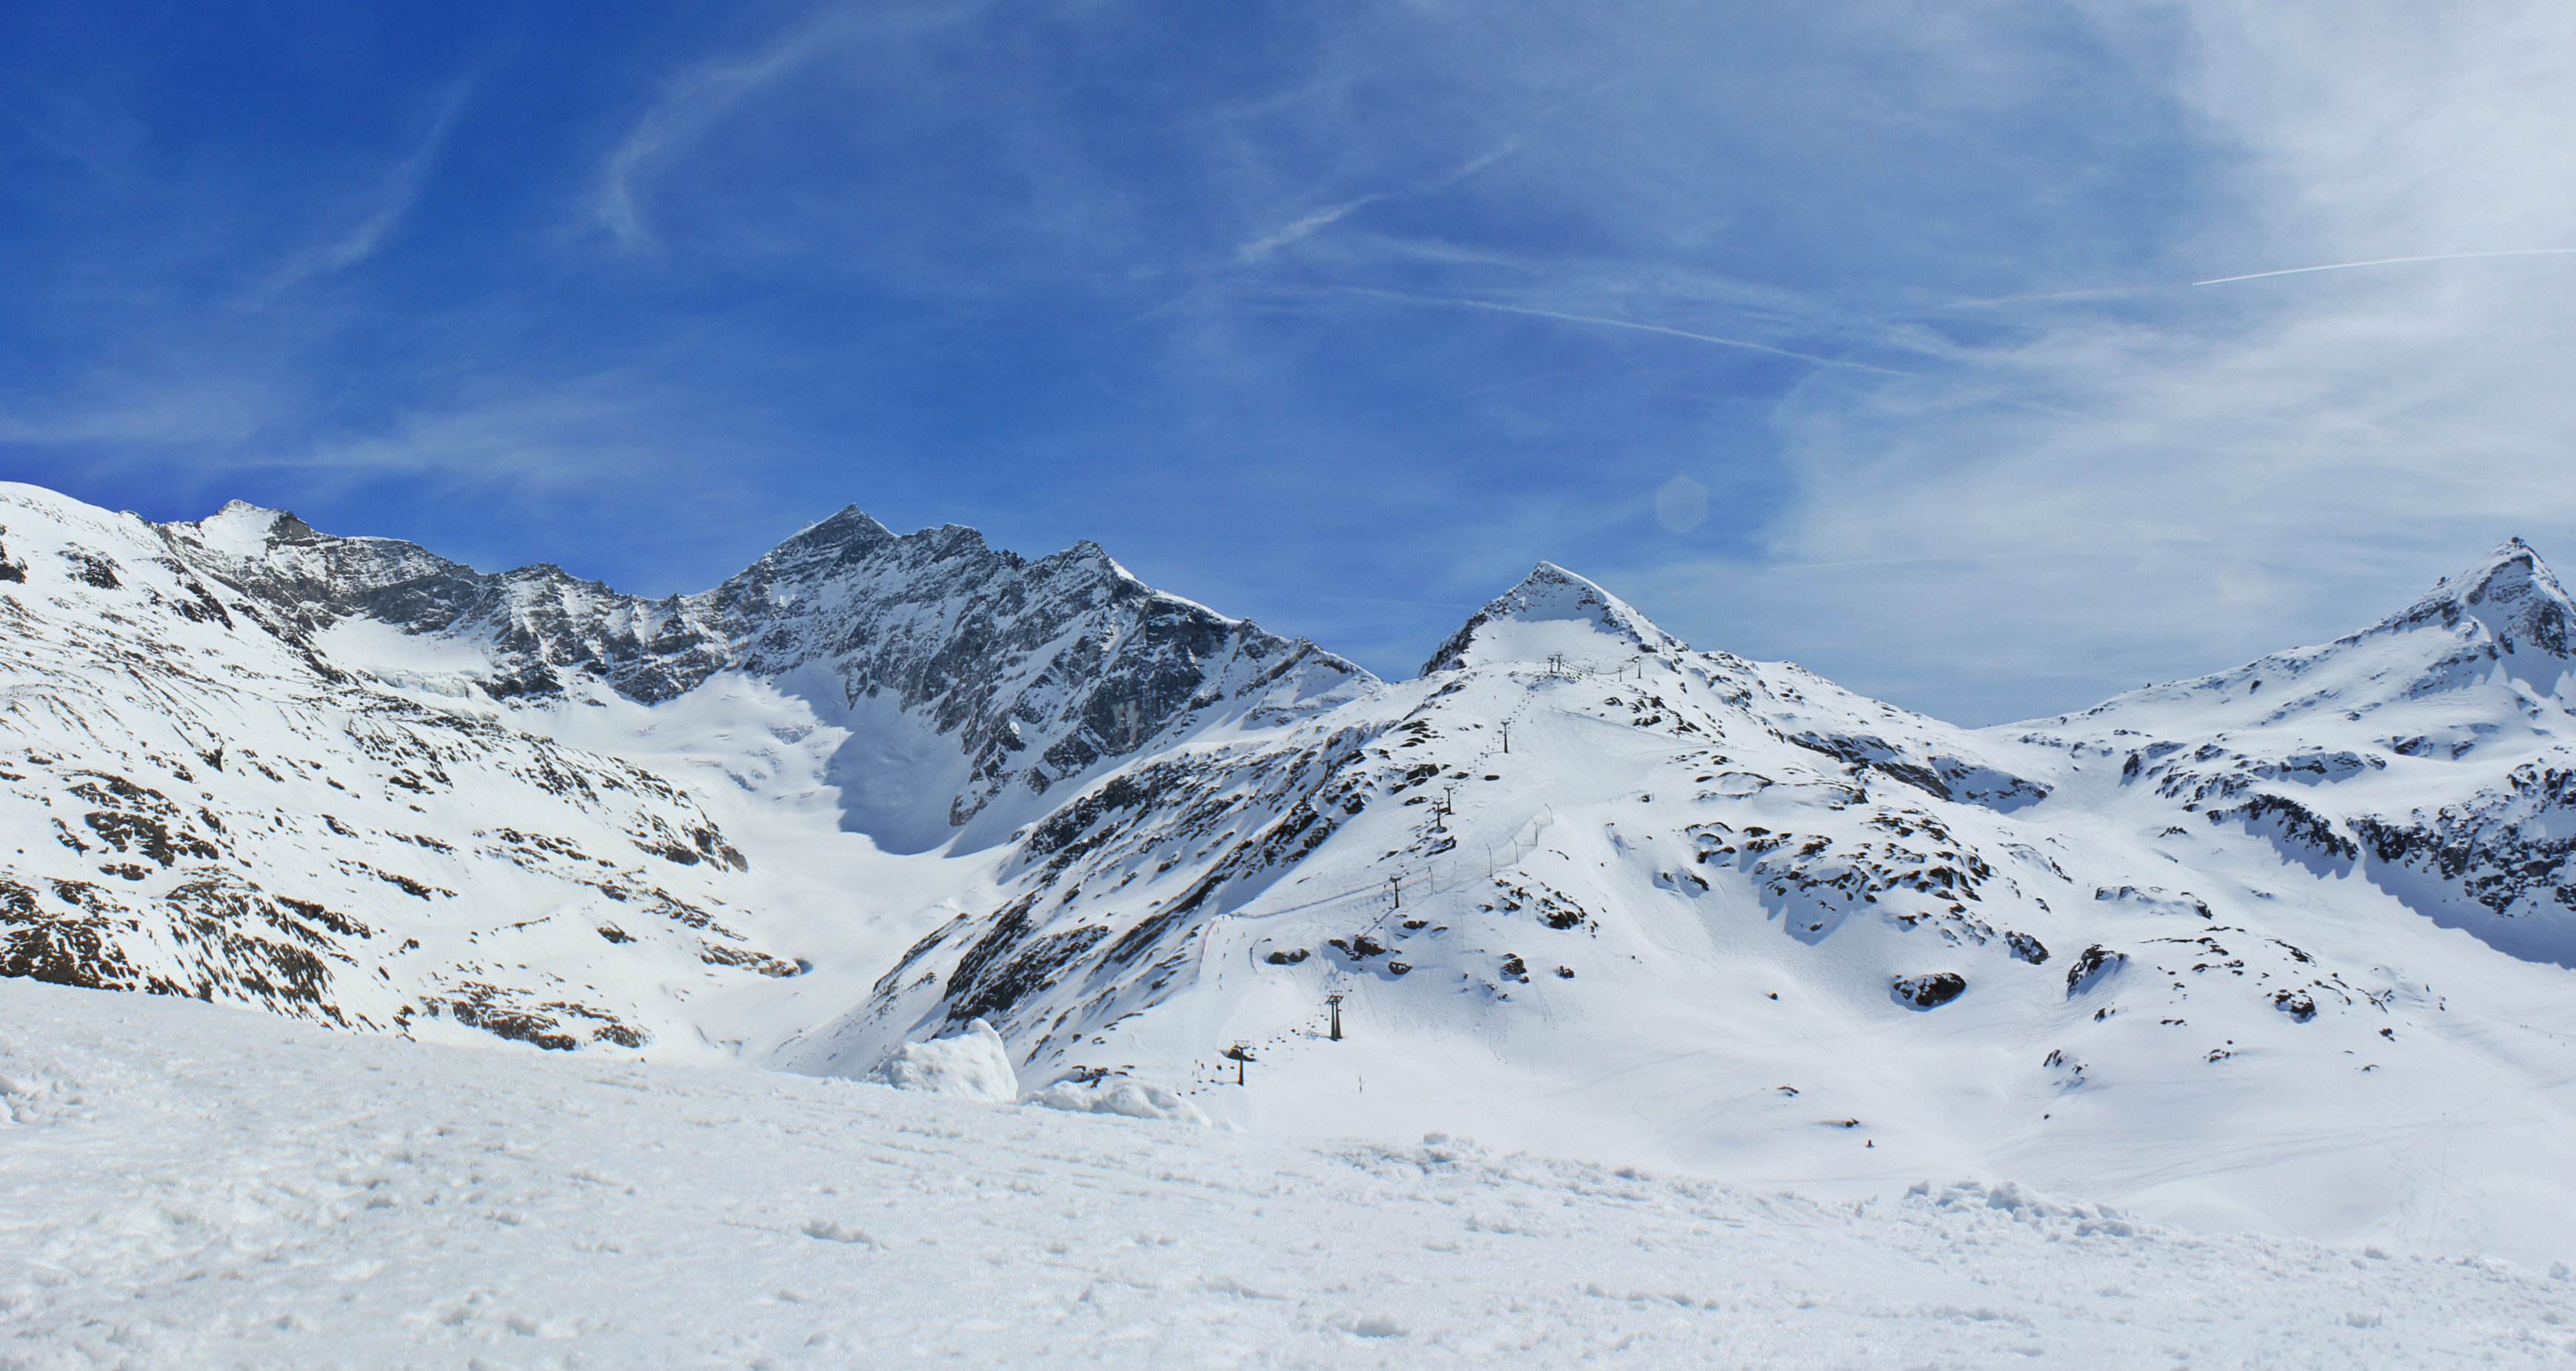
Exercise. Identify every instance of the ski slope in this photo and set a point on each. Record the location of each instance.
(194, 1185)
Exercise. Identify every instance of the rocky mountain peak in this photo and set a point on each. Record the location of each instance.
(1551, 612)
(965, 674)
(246, 529)
(850, 527)
(2511, 593)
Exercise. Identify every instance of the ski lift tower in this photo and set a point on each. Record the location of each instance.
(1335, 1001)
(1239, 1054)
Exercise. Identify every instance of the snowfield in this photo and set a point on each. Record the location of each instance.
(195, 1186)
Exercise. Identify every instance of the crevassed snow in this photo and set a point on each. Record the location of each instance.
(196, 1186)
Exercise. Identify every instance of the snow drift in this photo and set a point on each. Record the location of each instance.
(1116, 1095)
(970, 1066)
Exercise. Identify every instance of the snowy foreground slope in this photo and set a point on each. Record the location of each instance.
(188, 1186)
(2286, 948)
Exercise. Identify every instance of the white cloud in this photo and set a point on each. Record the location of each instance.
(2142, 485)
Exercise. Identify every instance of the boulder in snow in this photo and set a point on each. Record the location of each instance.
(1929, 991)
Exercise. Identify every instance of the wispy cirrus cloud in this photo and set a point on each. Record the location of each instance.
(689, 104)
(1405, 294)
(699, 95)
(392, 201)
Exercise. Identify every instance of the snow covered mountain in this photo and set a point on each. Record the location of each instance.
(200, 802)
(323, 775)
(2431, 754)
(1041, 671)
(1629, 899)
(2286, 947)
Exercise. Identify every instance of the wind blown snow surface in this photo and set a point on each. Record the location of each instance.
(189, 1185)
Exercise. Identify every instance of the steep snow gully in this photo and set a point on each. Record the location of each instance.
(2285, 949)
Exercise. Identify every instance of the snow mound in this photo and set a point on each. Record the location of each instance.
(2027, 1206)
(972, 1066)
(1116, 1095)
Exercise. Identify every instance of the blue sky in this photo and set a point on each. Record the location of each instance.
(1340, 315)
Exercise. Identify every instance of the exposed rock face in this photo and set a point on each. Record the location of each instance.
(1040, 670)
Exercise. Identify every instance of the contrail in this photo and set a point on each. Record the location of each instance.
(1930, 561)
(2098, 293)
(1459, 303)
(2389, 262)
(1264, 245)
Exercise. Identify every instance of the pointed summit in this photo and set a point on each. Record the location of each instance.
(246, 529)
(851, 527)
(2511, 594)
(1551, 612)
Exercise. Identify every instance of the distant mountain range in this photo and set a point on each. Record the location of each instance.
(2285, 945)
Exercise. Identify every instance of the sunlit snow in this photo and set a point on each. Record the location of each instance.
(2281, 951)
(192, 1186)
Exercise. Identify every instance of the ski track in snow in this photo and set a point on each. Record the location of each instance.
(190, 1185)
